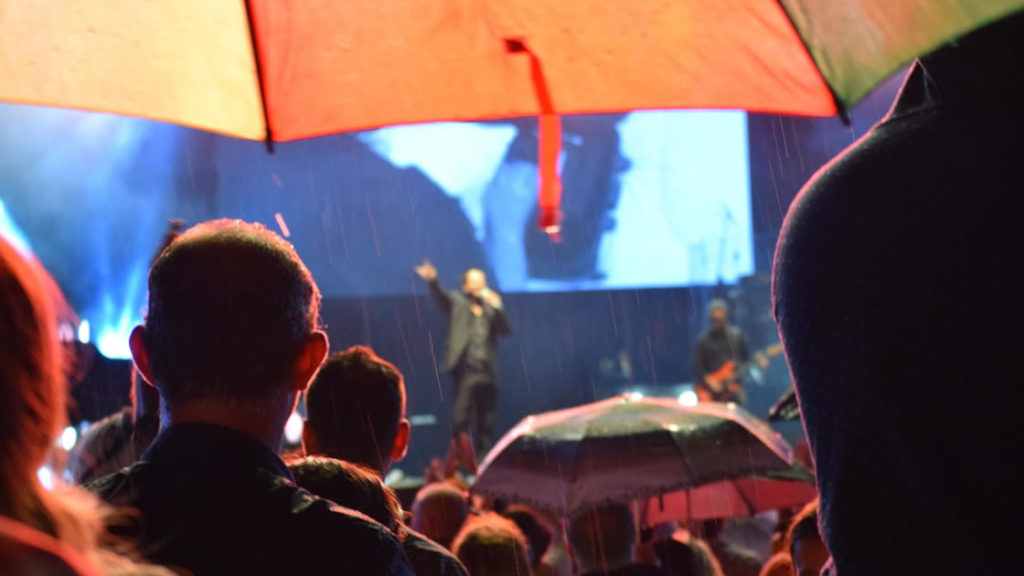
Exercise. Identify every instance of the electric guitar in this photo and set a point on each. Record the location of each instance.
(726, 383)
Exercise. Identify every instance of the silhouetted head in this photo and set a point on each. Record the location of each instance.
(439, 511)
(718, 315)
(473, 281)
(536, 534)
(232, 310)
(689, 557)
(355, 410)
(603, 537)
(880, 259)
(490, 545)
(711, 530)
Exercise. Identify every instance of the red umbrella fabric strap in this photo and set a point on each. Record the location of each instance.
(549, 136)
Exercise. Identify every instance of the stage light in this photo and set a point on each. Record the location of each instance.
(636, 395)
(83, 332)
(45, 475)
(394, 475)
(114, 345)
(68, 438)
(688, 398)
(293, 429)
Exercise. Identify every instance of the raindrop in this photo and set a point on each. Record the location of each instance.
(282, 225)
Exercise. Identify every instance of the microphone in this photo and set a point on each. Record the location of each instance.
(484, 295)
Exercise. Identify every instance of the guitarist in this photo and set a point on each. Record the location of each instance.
(722, 359)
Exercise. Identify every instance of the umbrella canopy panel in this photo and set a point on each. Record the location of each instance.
(188, 62)
(744, 496)
(620, 449)
(857, 44)
(330, 66)
(405, 61)
(338, 66)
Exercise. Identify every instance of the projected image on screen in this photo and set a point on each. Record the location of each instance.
(651, 199)
(656, 198)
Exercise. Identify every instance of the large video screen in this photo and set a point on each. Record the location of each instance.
(651, 199)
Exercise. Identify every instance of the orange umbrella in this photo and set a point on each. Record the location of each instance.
(284, 70)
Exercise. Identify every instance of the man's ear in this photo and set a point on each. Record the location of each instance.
(401, 445)
(310, 443)
(137, 344)
(311, 355)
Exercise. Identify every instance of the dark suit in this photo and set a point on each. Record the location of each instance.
(476, 379)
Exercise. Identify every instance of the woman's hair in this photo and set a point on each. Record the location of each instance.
(32, 388)
(33, 403)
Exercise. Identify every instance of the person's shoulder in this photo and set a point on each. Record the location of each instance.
(428, 557)
(118, 486)
(110, 430)
(115, 424)
(24, 550)
(336, 533)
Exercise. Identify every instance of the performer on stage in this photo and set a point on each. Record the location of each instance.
(723, 358)
(476, 318)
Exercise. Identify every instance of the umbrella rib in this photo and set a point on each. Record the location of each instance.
(743, 496)
(254, 42)
(685, 460)
(840, 107)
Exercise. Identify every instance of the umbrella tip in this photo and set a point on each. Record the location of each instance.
(515, 45)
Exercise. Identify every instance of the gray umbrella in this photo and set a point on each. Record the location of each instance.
(627, 448)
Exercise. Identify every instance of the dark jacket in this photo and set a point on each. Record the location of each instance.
(457, 308)
(428, 558)
(902, 326)
(630, 570)
(214, 501)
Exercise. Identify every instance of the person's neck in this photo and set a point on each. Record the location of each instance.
(261, 419)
